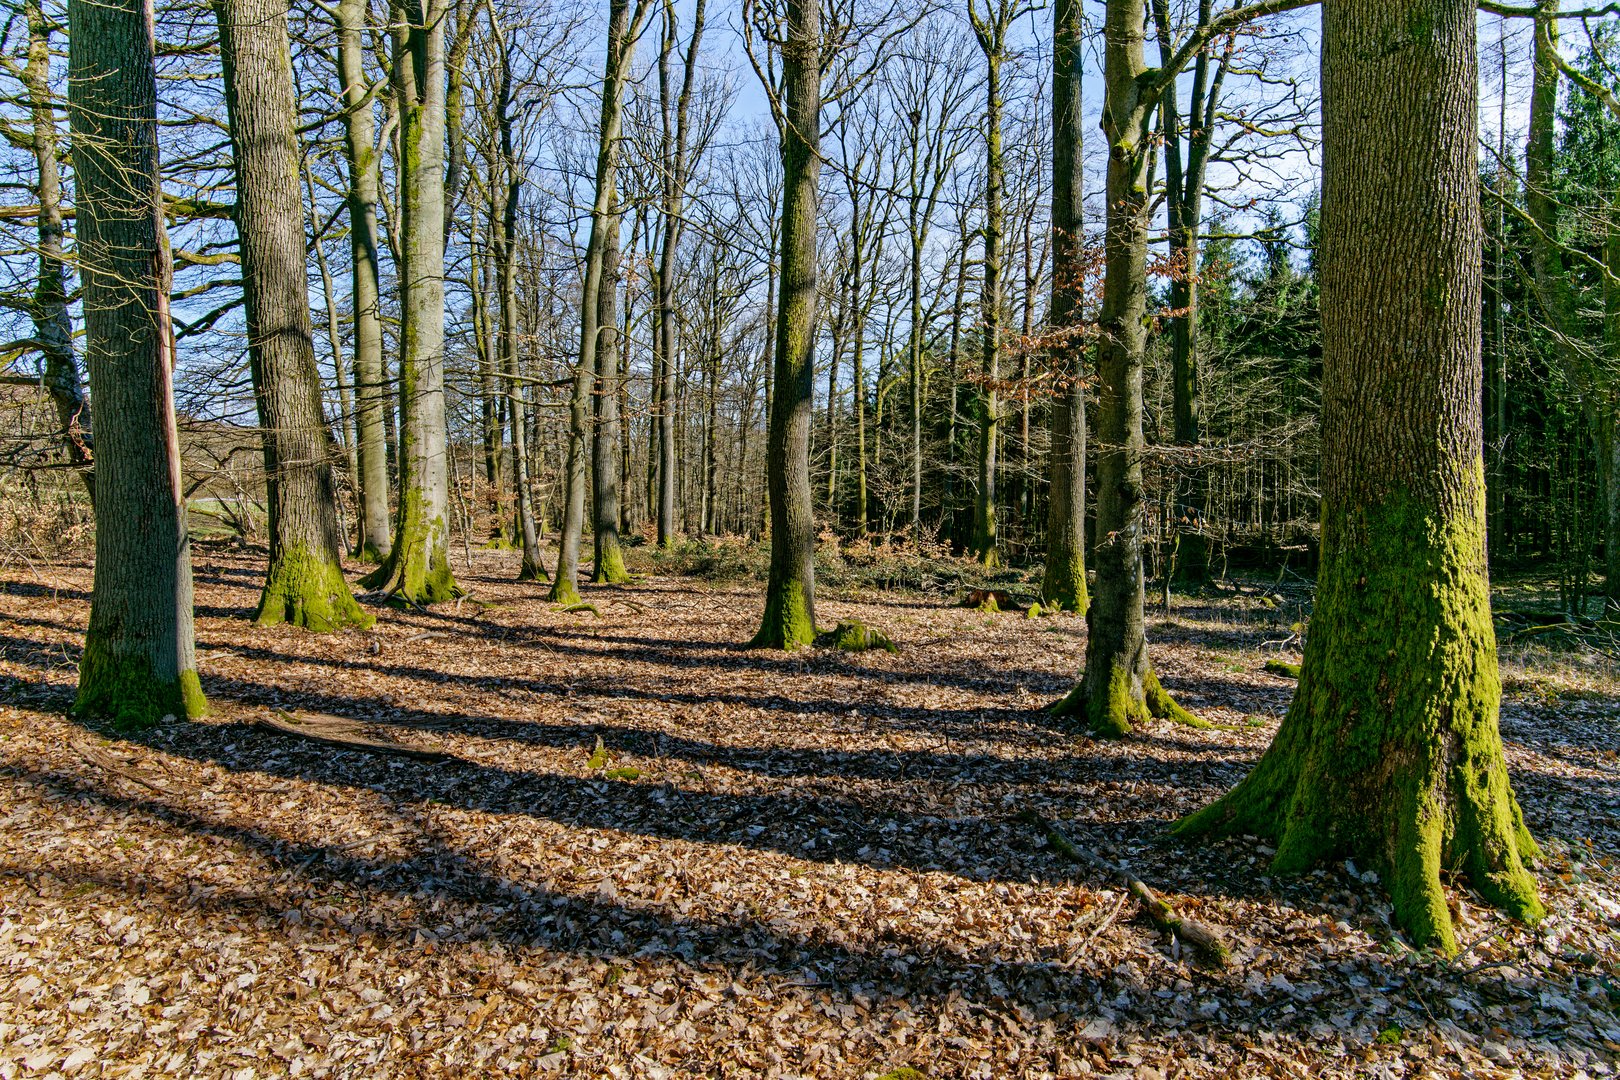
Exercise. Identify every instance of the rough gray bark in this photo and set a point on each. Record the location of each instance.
(304, 584)
(1390, 752)
(139, 654)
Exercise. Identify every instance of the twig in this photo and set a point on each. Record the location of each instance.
(1207, 940)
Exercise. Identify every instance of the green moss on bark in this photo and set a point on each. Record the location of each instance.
(563, 592)
(417, 571)
(305, 590)
(128, 691)
(787, 623)
(1390, 752)
(1063, 587)
(608, 567)
(852, 635)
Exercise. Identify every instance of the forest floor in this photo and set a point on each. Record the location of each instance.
(808, 864)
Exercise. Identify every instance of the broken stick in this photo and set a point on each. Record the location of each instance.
(1205, 939)
(342, 732)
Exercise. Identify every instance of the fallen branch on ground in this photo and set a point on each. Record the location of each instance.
(342, 732)
(1206, 940)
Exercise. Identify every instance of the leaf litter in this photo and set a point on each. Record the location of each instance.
(628, 847)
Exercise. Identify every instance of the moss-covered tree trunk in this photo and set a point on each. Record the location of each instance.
(1064, 582)
(1119, 688)
(417, 570)
(370, 381)
(1390, 752)
(790, 607)
(304, 584)
(53, 323)
(139, 653)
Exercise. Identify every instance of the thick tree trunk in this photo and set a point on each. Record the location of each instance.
(139, 661)
(53, 324)
(372, 405)
(417, 570)
(790, 608)
(1064, 583)
(304, 585)
(1390, 752)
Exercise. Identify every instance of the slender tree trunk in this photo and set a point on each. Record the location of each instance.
(1390, 752)
(992, 39)
(139, 662)
(790, 608)
(1064, 582)
(1119, 687)
(506, 256)
(417, 570)
(607, 433)
(372, 407)
(53, 324)
(604, 233)
(304, 584)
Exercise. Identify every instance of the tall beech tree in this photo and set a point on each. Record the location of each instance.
(1390, 751)
(139, 661)
(1064, 581)
(600, 273)
(1119, 687)
(304, 584)
(364, 163)
(790, 605)
(417, 569)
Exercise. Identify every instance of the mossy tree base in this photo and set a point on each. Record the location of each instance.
(608, 567)
(564, 592)
(1123, 703)
(304, 590)
(532, 571)
(417, 571)
(852, 635)
(1390, 752)
(130, 693)
(788, 622)
(1065, 592)
(368, 554)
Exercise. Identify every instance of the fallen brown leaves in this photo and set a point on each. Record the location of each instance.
(803, 865)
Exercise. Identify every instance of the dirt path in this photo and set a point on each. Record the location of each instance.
(802, 865)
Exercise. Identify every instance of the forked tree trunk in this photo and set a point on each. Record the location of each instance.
(790, 606)
(370, 383)
(417, 570)
(1390, 752)
(1064, 583)
(304, 584)
(139, 660)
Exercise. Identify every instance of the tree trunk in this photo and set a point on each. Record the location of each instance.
(53, 323)
(1390, 752)
(370, 380)
(1119, 687)
(139, 661)
(607, 432)
(417, 570)
(991, 34)
(790, 608)
(1064, 582)
(304, 585)
(604, 231)
(506, 256)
